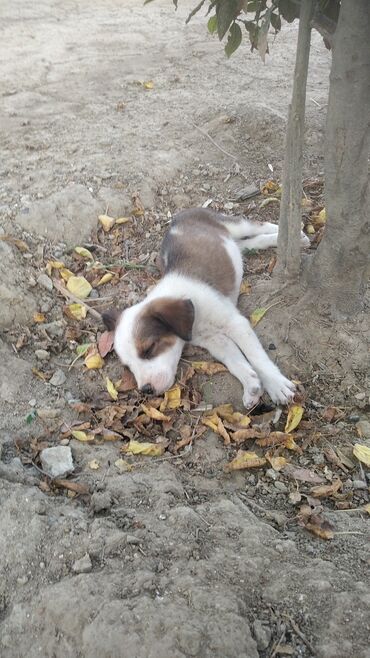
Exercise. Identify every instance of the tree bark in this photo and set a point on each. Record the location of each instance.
(340, 268)
(288, 252)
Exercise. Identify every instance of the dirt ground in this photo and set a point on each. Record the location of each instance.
(175, 557)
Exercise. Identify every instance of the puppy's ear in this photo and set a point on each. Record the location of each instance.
(110, 318)
(176, 315)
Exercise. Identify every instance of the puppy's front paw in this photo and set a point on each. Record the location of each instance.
(280, 389)
(252, 393)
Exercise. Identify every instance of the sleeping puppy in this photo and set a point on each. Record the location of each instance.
(195, 302)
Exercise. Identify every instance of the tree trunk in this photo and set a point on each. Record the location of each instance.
(339, 270)
(288, 252)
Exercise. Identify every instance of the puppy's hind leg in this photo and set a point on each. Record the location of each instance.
(224, 349)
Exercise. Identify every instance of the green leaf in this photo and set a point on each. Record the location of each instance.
(212, 24)
(234, 39)
(82, 349)
(226, 11)
(289, 10)
(31, 417)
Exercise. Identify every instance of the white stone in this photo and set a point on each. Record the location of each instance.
(57, 461)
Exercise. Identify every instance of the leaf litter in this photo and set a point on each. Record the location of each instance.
(172, 423)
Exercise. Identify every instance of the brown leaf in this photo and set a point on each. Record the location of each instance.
(315, 523)
(127, 382)
(326, 489)
(273, 439)
(302, 474)
(333, 458)
(249, 433)
(277, 463)
(207, 367)
(105, 343)
(332, 414)
(22, 246)
(154, 413)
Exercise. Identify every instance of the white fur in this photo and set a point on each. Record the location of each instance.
(218, 326)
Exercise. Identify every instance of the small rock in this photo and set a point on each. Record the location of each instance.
(363, 429)
(22, 580)
(270, 473)
(45, 282)
(57, 461)
(360, 396)
(33, 402)
(55, 329)
(83, 565)
(280, 486)
(58, 378)
(353, 418)
(262, 635)
(42, 355)
(131, 539)
(101, 501)
(46, 412)
(64, 442)
(359, 484)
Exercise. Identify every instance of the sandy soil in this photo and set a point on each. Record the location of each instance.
(175, 558)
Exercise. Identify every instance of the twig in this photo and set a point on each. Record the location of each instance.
(276, 645)
(213, 141)
(69, 295)
(298, 632)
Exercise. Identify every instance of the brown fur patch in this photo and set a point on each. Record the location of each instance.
(158, 324)
(194, 247)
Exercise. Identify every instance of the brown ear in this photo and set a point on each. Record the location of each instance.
(110, 318)
(176, 315)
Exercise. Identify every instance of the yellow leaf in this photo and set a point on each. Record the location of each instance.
(211, 421)
(82, 436)
(79, 286)
(123, 220)
(257, 315)
(93, 360)
(245, 288)
(362, 453)
(367, 508)
(149, 84)
(277, 463)
(111, 389)
(106, 222)
(295, 414)
(105, 278)
(172, 399)
(245, 459)
(122, 465)
(322, 216)
(65, 273)
(310, 230)
(148, 449)
(53, 265)
(269, 187)
(77, 311)
(207, 367)
(215, 423)
(39, 317)
(154, 413)
(94, 465)
(85, 253)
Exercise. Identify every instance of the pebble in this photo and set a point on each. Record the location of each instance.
(42, 355)
(270, 473)
(58, 378)
(45, 282)
(33, 402)
(101, 501)
(353, 418)
(262, 635)
(57, 461)
(280, 486)
(22, 580)
(360, 396)
(359, 484)
(55, 328)
(64, 442)
(83, 565)
(47, 412)
(363, 428)
(131, 539)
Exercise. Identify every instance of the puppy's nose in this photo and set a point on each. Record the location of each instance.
(147, 389)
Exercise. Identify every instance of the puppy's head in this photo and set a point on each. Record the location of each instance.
(149, 338)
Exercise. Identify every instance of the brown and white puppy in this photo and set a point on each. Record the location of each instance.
(195, 302)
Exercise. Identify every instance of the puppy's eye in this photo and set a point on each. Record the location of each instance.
(148, 352)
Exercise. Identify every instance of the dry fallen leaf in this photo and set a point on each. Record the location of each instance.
(79, 286)
(245, 288)
(270, 187)
(38, 317)
(172, 399)
(332, 413)
(123, 220)
(302, 474)
(122, 465)
(77, 311)
(108, 276)
(245, 459)
(93, 360)
(326, 489)
(111, 389)
(82, 436)
(105, 343)
(362, 453)
(148, 449)
(154, 413)
(315, 523)
(76, 487)
(243, 435)
(295, 414)
(22, 246)
(207, 367)
(274, 439)
(277, 463)
(85, 253)
(65, 273)
(367, 508)
(106, 222)
(94, 465)
(257, 315)
(148, 84)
